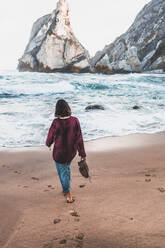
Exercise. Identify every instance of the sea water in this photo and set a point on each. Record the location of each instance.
(27, 102)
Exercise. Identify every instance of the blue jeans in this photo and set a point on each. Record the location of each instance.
(64, 173)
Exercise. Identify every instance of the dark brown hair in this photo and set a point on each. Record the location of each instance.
(62, 109)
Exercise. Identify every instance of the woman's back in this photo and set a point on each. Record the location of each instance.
(67, 138)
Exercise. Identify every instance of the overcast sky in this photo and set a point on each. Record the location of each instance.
(94, 22)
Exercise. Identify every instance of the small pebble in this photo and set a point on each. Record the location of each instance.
(56, 221)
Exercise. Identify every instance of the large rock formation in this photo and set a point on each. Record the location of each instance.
(141, 48)
(53, 46)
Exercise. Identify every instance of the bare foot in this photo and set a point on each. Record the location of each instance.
(69, 198)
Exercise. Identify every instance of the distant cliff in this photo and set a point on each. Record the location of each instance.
(53, 47)
(141, 48)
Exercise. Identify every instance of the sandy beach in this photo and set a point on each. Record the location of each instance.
(122, 206)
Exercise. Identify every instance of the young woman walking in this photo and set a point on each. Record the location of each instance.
(65, 133)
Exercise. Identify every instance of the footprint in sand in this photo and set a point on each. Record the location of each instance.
(80, 236)
(17, 172)
(82, 185)
(49, 245)
(148, 175)
(74, 213)
(79, 244)
(148, 180)
(63, 241)
(162, 190)
(154, 175)
(6, 166)
(25, 186)
(35, 178)
(56, 221)
(50, 186)
(79, 239)
(76, 219)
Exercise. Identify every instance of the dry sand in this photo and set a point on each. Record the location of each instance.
(123, 206)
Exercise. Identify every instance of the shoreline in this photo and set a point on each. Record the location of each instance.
(122, 206)
(101, 139)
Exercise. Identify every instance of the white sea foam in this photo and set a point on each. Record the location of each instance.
(27, 103)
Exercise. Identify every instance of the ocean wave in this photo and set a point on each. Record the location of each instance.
(92, 86)
(8, 95)
(8, 113)
(28, 100)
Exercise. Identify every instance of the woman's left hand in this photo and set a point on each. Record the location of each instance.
(83, 158)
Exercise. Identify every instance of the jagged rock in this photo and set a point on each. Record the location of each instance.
(104, 66)
(141, 48)
(53, 47)
(94, 107)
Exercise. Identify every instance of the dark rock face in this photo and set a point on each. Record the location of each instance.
(141, 48)
(53, 47)
(94, 107)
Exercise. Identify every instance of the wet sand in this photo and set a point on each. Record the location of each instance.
(123, 206)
